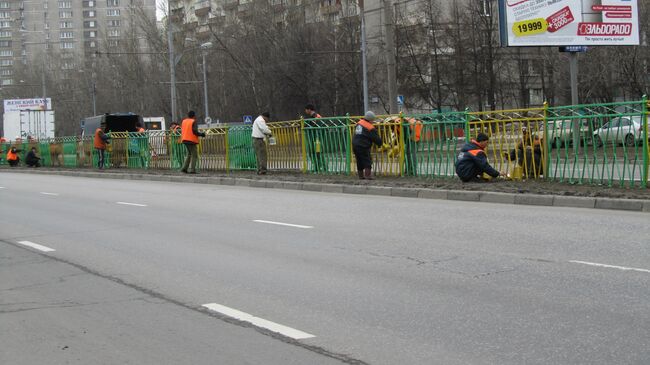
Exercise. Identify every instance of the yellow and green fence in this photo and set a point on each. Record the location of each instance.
(598, 144)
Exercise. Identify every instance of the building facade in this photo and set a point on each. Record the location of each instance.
(64, 35)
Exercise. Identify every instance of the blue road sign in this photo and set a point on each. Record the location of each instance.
(573, 49)
(400, 99)
(248, 119)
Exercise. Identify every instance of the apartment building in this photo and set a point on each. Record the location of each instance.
(63, 35)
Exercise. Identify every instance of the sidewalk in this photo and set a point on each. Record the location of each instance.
(537, 193)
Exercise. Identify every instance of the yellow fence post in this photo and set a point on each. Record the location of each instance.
(401, 144)
(304, 145)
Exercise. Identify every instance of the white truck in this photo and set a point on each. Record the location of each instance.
(38, 124)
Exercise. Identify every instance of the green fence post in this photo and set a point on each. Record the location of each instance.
(644, 121)
(546, 150)
(467, 125)
(349, 142)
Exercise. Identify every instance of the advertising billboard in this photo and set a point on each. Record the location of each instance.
(16, 105)
(569, 22)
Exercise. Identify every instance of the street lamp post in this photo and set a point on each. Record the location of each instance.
(172, 60)
(204, 48)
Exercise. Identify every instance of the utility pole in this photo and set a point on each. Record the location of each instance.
(391, 74)
(172, 60)
(364, 62)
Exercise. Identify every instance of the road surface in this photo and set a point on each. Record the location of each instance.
(134, 272)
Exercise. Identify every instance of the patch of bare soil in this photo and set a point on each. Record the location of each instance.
(518, 187)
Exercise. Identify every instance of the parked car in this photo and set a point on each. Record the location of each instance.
(560, 132)
(622, 130)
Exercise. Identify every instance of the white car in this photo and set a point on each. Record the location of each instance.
(560, 132)
(622, 130)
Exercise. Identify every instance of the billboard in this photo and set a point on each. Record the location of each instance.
(16, 105)
(569, 22)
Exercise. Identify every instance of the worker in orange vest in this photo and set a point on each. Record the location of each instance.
(100, 142)
(365, 134)
(12, 157)
(190, 136)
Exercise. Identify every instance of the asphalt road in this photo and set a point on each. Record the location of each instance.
(352, 279)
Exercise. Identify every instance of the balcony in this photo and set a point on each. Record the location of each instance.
(202, 7)
(177, 13)
(278, 5)
(329, 9)
(245, 8)
(203, 31)
(230, 4)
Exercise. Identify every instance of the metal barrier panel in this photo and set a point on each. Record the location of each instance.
(286, 154)
(598, 144)
(516, 140)
(4, 148)
(44, 152)
(138, 153)
(85, 152)
(159, 152)
(326, 145)
(116, 155)
(431, 143)
(213, 149)
(241, 155)
(69, 151)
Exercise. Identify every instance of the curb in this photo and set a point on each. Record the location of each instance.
(631, 205)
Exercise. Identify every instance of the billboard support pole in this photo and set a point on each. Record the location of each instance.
(573, 70)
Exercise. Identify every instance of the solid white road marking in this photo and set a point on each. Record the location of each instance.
(2, 187)
(283, 224)
(610, 266)
(46, 193)
(133, 204)
(36, 246)
(259, 322)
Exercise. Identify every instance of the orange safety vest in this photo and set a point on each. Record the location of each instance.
(187, 135)
(99, 143)
(366, 124)
(416, 128)
(476, 151)
(12, 156)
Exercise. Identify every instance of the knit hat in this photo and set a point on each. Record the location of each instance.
(370, 116)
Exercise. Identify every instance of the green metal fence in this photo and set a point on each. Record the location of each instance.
(599, 144)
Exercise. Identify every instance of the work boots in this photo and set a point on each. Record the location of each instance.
(367, 174)
(361, 175)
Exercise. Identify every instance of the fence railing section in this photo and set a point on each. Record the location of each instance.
(603, 144)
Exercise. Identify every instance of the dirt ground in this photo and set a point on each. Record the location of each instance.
(521, 187)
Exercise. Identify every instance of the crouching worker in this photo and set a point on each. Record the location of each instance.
(12, 156)
(365, 134)
(32, 160)
(472, 161)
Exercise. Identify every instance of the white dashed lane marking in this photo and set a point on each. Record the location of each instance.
(624, 268)
(132, 204)
(46, 193)
(36, 246)
(283, 224)
(259, 322)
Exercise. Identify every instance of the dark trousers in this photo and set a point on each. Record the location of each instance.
(13, 163)
(260, 154)
(100, 157)
(192, 158)
(363, 157)
(33, 163)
